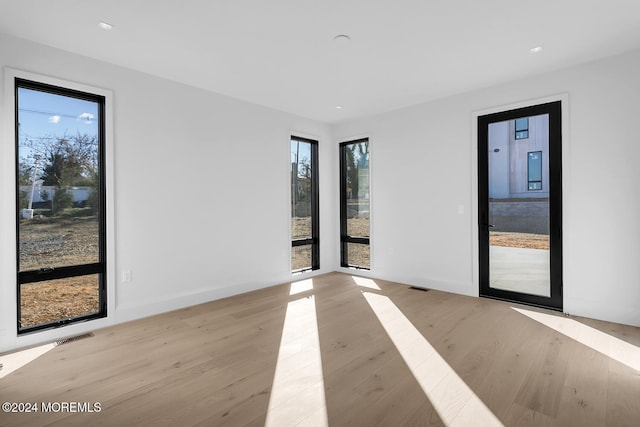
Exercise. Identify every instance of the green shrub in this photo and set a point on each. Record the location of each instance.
(62, 199)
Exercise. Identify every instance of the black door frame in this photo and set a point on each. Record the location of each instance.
(554, 110)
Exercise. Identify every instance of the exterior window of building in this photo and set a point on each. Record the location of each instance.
(534, 170)
(60, 201)
(354, 204)
(522, 128)
(305, 224)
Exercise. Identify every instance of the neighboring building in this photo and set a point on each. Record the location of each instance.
(363, 178)
(519, 158)
(519, 169)
(45, 193)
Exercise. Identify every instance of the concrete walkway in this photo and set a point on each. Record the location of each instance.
(520, 270)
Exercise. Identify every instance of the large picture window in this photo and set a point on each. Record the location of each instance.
(60, 188)
(354, 204)
(305, 224)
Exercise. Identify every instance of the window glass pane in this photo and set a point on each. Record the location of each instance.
(61, 245)
(354, 204)
(301, 190)
(522, 124)
(61, 240)
(58, 180)
(522, 128)
(535, 170)
(300, 257)
(300, 227)
(53, 300)
(357, 189)
(358, 255)
(519, 235)
(304, 204)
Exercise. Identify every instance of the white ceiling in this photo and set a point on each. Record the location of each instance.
(282, 53)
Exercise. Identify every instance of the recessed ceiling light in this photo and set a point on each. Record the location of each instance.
(338, 107)
(536, 49)
(342, 38)
(105, 26)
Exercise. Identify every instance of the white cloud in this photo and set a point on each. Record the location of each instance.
(86, 117)
(54, 119)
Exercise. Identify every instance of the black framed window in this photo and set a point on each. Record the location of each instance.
(522, 128)
(305, 218)
(60, 201)
(534, 170)
(354, 204)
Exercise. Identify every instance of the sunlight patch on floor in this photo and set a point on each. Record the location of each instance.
(301, 286)
(366, 283)
(602, 342)
(14, 361)
(454, 401)
(297, 393)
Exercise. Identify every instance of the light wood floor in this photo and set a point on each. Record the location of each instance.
(214, 364)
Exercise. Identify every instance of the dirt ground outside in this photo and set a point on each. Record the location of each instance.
(44, 302)
(47, 242)
(301, 255)
(519, 240)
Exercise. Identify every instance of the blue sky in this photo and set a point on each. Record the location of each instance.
(43, 114)
(302, 149)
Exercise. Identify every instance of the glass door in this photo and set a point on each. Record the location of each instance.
(520, 218)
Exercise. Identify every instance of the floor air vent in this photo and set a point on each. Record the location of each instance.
(419, 289)
(73, 339)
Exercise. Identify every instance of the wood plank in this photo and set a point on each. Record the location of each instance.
(214, 364)
(543, 386)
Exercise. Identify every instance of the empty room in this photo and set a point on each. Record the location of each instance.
(319, 213)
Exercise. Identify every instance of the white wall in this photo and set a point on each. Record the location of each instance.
(182, 249)
(425, 157)
(171, 142)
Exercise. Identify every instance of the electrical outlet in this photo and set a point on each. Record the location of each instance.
(127, 276)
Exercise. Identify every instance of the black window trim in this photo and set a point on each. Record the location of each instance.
(314, 241)
(99, 267)
(345, 238)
